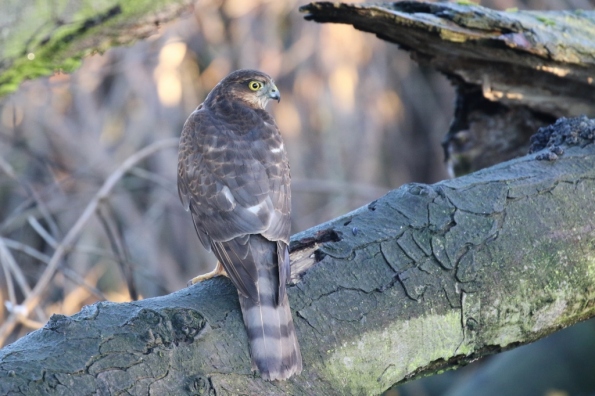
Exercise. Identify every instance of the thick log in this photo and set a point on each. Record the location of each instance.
(426, 278)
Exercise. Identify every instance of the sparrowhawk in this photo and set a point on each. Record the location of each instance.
(233, 177)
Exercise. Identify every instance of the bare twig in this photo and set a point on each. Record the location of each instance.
(75, 298)
(45, 212)
(19, 216)
(155, 178)
(44, 258)
(9, 285)
(28, 250)
(118, 246)
(30, 323)
(34, 223)
(9, 170)
(9, 263)
(74, 232)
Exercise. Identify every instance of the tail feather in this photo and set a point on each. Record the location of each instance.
(273, 344)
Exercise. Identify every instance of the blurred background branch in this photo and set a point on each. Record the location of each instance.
(33, 296)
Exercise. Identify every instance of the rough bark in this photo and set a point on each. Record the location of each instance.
(514, 71)
(426, 278)
(38, 39)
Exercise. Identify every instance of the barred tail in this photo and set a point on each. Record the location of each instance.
(273, 343)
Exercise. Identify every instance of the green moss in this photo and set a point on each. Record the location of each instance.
(381, 358)
(33, 51)
(24, 69)
(467, 2)
(546, 21)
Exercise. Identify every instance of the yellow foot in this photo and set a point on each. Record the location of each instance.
(219, 270)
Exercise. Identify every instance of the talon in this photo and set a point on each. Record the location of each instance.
(218, 271)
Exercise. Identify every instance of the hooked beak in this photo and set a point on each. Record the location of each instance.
(274, 93)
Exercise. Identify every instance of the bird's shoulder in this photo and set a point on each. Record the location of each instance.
(211, 125)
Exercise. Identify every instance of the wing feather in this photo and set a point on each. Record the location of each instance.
(235, 182)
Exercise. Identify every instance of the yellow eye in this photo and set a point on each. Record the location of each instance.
(255, 85)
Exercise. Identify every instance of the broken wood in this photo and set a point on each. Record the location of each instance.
(514, 71)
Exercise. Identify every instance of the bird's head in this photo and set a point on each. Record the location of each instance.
(253, 87)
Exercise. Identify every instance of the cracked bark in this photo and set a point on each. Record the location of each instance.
(425, 278)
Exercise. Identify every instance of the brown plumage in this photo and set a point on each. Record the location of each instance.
(233, 176)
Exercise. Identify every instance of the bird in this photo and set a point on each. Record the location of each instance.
(234, 179)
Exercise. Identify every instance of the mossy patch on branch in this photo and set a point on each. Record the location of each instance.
(38, 41)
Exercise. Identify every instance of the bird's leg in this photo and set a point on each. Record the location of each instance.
(219, 270)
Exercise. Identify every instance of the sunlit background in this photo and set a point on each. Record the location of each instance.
(358, 117)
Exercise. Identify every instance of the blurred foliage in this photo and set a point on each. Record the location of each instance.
(358, 117)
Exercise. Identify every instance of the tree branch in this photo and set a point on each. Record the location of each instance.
(514, 71)
(425, 278)
(518, 57)
(38, 41)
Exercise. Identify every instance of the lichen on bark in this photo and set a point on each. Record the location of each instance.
(38, 40)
